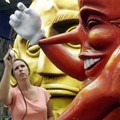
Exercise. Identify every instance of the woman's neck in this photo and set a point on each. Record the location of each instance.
(25, 85)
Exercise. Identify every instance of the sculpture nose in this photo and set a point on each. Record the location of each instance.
(76, 36)
(58, 39)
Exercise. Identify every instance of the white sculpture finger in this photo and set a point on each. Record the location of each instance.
(31, 13)
(18, 14)
(14, 21)
(21, 6)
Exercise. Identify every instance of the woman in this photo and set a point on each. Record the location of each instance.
(25, 101)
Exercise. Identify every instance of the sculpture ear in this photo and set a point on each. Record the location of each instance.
(69, 37)
(13, 82)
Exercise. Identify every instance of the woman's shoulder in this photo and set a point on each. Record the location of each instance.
(13, 89)
(44, 92)
(41, 88)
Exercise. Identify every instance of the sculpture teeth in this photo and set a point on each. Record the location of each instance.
(89, 62)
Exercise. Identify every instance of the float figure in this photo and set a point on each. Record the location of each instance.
(99, 60)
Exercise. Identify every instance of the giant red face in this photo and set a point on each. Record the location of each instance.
(98, 34)
(102, 37)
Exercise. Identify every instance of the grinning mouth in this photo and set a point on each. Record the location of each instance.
(90, 58)
(89, 63)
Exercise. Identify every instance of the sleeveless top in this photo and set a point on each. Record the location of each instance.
(36, 109)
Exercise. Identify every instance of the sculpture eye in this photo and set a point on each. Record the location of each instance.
(32, 51)
(73, 45)
(92, 23)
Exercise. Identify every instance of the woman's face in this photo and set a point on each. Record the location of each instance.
(20, 70)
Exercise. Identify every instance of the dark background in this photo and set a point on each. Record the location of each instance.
(7, 34)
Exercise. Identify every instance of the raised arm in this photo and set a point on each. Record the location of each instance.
(5, 95)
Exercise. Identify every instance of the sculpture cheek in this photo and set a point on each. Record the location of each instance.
(101, 39)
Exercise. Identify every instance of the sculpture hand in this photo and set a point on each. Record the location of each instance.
(27, 23)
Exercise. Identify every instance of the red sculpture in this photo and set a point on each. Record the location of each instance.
(98, 34)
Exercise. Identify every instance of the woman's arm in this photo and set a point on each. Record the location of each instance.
(5, 95)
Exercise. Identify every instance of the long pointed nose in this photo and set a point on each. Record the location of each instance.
(61, 38)
(77, 36)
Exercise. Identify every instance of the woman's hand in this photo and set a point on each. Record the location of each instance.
(9, 59)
